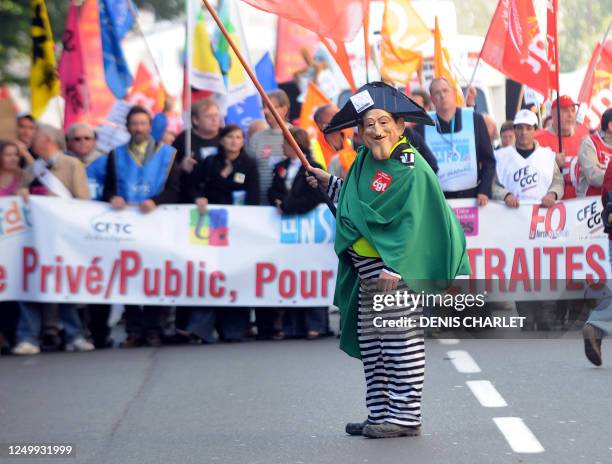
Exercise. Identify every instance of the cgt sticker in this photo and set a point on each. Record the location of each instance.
(381, 181)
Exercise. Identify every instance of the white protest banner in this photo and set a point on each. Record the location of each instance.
(72, 250)
(54, 250)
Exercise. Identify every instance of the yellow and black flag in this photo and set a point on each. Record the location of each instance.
(44, 81)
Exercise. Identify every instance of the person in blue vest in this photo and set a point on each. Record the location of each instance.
(461, 144)
(81, 143)
(144, 173)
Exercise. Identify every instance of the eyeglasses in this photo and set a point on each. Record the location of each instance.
(80, 139)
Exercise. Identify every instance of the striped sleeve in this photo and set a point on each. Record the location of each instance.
(333, 189)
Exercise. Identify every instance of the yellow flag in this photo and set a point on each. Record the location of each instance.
(205, 71)
(44, 81)
(395, 70)
(442, 65)
(402, 31)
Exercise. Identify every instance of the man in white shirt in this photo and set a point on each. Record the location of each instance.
(530, 175)
(527, 171)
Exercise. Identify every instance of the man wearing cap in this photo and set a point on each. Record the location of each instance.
(460, 141)
(593, 158)
(395, 233)
(571, 135)
(528, 172)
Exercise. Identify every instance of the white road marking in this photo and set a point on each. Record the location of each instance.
(518, 435)
(448, 341)
(463, 362)
(486, 394)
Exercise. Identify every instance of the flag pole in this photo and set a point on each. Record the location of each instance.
(282, 124)
(187, 78)
(519, 103)
(560, 138)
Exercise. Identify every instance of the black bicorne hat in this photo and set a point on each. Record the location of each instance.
(377, 95)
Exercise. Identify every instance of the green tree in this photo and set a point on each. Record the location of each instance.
(15, 42)
(581, 24)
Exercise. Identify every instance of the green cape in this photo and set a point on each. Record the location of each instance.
(410, 224)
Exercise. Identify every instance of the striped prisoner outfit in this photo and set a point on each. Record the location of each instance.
(393, 358)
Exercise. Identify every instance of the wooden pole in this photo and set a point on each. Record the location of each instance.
(281, 123)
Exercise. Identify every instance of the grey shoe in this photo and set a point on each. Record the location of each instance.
(389, 430)
(355, 428)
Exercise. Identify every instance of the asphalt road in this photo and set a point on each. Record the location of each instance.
(287, 402)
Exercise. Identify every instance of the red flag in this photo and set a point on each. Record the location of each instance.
(101, 98)
(596, 90)
(551, 39)
(147, 90)
(291, 40)
(337, 19)
(338, 51)
(71, 72)
(515, 46)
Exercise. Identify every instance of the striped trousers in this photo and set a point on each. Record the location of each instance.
(393, 358)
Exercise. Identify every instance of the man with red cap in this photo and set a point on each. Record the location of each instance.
(571, 134)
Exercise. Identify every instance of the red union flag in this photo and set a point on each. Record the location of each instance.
(515, 46)
(147, 90)
(596, 90)
(337, 19)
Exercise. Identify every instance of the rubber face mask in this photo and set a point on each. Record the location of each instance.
(381, 132)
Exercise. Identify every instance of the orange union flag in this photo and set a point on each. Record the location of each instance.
(596, 90)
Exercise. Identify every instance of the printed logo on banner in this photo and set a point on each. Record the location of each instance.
(14, 219)
(468, 218)
(590, 216)
(210, 228)
(111, 226)
(317, 226)
(548, 222)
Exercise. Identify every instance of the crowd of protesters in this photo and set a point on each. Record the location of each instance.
(226, 166)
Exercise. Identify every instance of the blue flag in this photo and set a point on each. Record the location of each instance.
(264, 70)
(245, 112)
(116, 19)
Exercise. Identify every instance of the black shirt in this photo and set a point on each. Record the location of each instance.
(201, 148)
(484, 154)
(525, 153)
(300, 198)
(206, 180)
